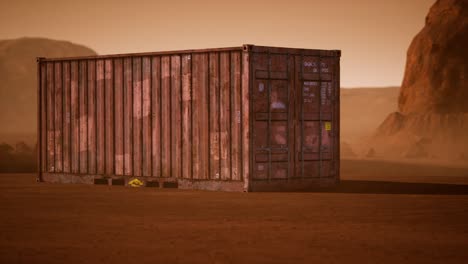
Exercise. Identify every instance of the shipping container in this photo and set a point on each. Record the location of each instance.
(248, 118)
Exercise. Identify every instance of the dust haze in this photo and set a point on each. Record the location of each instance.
(404, 143)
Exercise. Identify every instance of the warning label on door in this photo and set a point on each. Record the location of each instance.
(328, 126)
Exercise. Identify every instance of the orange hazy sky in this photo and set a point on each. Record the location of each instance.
(373, 35)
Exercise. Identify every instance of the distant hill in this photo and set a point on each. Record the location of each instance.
(363, 109)
(18, 86)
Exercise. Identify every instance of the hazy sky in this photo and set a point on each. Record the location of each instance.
(372, 34)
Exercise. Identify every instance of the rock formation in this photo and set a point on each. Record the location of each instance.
(436, 64)
(433, 104)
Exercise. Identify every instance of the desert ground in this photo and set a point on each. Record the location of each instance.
(382, 212)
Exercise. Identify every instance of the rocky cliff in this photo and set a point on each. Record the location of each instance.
(436, 65)
(432, 121)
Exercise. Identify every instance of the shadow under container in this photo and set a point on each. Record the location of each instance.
(249, 118)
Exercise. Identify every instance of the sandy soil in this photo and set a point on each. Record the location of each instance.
(381, 213)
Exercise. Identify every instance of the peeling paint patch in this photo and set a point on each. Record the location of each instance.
(119, 159)
(224, 140)
(215, 145)
(50, 141)
(137, 100)
(127, 161)
(83, 133)
(186, 94)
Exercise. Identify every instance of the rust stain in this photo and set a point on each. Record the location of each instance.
(190, 115)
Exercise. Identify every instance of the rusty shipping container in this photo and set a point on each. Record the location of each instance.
(247, 118)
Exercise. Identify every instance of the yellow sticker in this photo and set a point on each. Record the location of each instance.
(328, 126)
(135, 183)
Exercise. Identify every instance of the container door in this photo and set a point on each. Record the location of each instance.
(314, 108)
(273, 115)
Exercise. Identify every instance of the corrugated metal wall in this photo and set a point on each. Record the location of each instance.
(248, 118)
(167, 115)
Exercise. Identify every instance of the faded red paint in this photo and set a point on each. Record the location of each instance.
(247, 118)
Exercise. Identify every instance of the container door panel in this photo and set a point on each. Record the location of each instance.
(314, 144)
(273, 114)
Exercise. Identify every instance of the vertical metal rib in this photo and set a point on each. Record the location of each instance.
(114, 169)
(251, 133)
(95, 116)
(289, 110)
(39, 120)
(124, 80)
(46, 90)
(229, 117)
(122, 106)
(53, 117)
(209, 115)
(142, 152)
(288, 113)
(320, 114)
(151, 113)
(169, 99)
(269, 116)
(160, 116)
(62, 80)
(132, 153)
(87, 115)
(78, 66)
(241, 119)
(104, 115)
(302, 113)
(218, 101)
(191, 115)
(181, 61)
